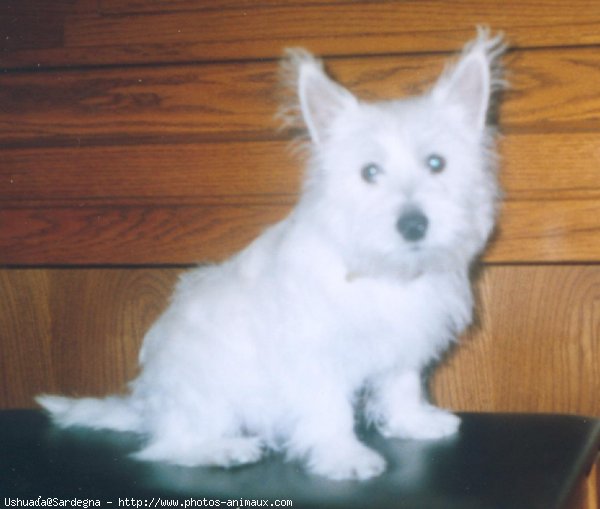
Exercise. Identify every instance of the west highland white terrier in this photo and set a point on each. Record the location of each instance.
(354, 293)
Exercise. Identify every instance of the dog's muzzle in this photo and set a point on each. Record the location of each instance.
(412, 225)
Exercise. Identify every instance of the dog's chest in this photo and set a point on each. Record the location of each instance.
(407, 321)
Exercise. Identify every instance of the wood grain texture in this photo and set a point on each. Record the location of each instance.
(534, 167)
(207, 173)
(562, 231)
(142, 132)
(553, 90)
(568, 231)
(161, 6)
(368, 27)
(74, 331)
(134, 166)
(32, 25)
(204, 202)
(537, 345)
(78, 331)
(129, 234)
(26, 337)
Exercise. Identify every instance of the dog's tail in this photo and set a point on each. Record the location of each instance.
(113, 412)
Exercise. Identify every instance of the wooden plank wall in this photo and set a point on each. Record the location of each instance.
(138, 137)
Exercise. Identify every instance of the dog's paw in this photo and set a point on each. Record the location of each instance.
(425, 423)
(235, 452)
(347, 462)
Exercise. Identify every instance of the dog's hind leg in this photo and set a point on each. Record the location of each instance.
(204, 433)
(219, 452)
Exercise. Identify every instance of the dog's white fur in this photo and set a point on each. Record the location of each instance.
(270, 348)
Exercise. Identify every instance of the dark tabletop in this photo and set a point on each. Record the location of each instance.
(497, 461)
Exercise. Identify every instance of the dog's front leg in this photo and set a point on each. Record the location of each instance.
(324, 436)
(400, 409)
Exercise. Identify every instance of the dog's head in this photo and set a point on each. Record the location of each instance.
(404, 185)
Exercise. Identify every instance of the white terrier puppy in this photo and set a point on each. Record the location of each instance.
(364, 284)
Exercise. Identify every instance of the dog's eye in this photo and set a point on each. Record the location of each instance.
(436, 163)
(370, 172)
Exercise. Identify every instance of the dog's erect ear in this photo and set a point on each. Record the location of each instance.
(320, 98)
(471, 82)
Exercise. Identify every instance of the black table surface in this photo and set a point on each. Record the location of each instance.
(496, 461)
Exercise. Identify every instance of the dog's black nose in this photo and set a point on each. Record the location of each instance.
(413, 225)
